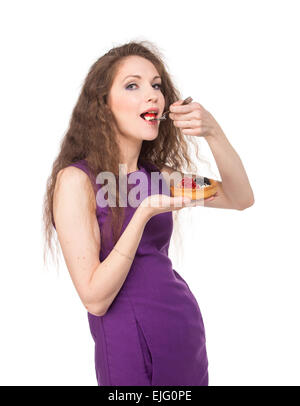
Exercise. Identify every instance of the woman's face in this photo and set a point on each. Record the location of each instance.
(130, 96)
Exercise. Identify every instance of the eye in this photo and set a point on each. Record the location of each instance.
(131, 84)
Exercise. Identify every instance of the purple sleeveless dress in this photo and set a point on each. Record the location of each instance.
(153, 332)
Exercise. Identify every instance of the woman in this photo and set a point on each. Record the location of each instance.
(145, 321)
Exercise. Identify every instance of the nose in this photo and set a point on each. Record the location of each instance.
(152, 95)
(152, 98)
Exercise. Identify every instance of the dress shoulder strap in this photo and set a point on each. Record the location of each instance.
(81, 164)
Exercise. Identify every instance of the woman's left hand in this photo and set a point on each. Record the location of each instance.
(193, 119)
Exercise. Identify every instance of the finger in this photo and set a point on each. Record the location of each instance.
(186, 108)
(200, 202)
(186, 124)
(180, 201)
(209, 198)
(179, 117)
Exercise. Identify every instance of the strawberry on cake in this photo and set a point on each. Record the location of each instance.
(195, 188)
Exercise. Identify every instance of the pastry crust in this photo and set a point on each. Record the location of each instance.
(197, 193)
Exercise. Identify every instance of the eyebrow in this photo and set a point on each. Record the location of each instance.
(139, 77)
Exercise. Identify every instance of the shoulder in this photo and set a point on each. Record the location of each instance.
(72, 182)
(70, 178)
(72, 174)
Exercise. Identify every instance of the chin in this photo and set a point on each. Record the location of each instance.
(150, 137)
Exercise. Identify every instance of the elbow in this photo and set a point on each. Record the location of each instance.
(246, 205)
(95, 310)
(94, 304)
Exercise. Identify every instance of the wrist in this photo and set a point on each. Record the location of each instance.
(217, 131)
(144, 213)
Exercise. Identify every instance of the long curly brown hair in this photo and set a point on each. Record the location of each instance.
(92, 132)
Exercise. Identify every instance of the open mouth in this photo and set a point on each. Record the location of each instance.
(148, 116)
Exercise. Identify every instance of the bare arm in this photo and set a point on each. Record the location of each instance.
(219, 200)
(111, 273)
(97, 283)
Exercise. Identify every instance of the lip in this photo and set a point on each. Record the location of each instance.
(151, 109)
(154, 122)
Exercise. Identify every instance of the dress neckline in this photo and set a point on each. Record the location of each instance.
(139, 170)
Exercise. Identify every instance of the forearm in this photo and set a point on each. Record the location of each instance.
(111, 273)
(235, 181)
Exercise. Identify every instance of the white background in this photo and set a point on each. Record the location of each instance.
(240, 60)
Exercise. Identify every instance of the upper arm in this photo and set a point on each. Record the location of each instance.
(74, 211)
(220, 201)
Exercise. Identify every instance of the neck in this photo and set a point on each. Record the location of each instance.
(130, 151)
